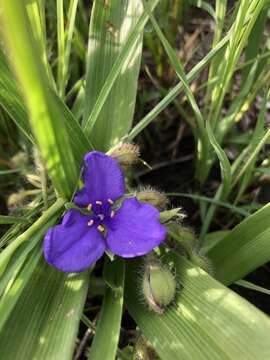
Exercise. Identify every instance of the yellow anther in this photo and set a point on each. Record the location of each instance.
(110, 201)
(89, 207)
(112, 214)
(99, 202)
(101, 228)
(90, 222)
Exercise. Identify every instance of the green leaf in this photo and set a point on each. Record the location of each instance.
(232, 208)
(206, 320)
(244, 249)
(205, 6)
(44, 222)
(258, 140)
(225, 166)
(212, 238)
(179, 69)
(14, 281)
(105, 342)
(5, 219)
(174, 92)
(65, 45)
(46, 117)
(114, 53)
(254, 41)
(11, 100)
(249, 285)
(45, 320)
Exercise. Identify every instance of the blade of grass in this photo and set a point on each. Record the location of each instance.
(172, 94)
(254, 42)
(44, 220)
(246, 16)
(45, 319)
(67, 44)
(60, 46)
(225, 166)
(249, 285)
(5, 219)
(258, 133)
(104, 346)
(17, 280)
(178, 68)
(36, 15)
(220, 13)
(45, 115)
(11, 101)
(232, 208)
(244, 249)
(127, 51)
(255, 146)
(204, 5)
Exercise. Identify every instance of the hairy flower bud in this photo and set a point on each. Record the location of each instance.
(158, 285)
(152, 196)
(202, 261)
(126, 154)
(184, 237)
(15, 199)
(19, 160)
(144, 350)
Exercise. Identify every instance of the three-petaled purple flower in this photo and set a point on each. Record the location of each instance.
(83, 237)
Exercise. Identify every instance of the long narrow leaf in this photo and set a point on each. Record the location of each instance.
(108, 330)
(45, 320)
(206, 320)
(244, 249)
(46, 118)
(112, 69)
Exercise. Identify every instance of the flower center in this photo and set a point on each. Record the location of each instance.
(101, 216)
(100, 212)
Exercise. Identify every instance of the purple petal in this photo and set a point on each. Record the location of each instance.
(82, 198)
(73, 246)
(103, 179)
(135, 229)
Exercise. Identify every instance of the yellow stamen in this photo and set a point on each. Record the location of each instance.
(89, 207)
(112, 214)
(110, 201)
(90, 222)
(101, 228)
(99, 202)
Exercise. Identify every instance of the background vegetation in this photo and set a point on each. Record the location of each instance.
(189, 82)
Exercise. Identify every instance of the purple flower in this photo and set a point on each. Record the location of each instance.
(83, 237)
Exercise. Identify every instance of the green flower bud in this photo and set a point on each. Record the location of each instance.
(152, 196)
(126, 154)
(158, 286)
(172, 214)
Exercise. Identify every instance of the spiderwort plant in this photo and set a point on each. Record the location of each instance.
(99, 225)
